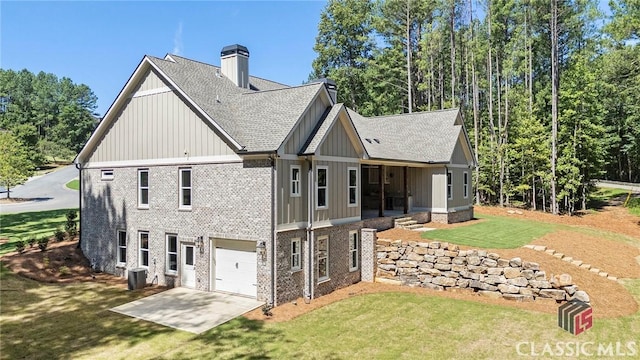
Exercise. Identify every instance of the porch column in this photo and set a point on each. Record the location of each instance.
(381, 182)
(406, 192)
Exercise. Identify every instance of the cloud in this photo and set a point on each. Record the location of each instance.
(177, 40)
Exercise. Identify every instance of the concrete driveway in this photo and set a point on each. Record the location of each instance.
(189, 310)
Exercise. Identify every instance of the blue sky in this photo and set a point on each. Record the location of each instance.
(101, 43)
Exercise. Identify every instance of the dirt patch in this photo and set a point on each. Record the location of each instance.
(46, 266)
(611, 218)
(12, 200)
(614, 257)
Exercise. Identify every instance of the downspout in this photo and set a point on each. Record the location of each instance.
(446, 189)
(310, 235)
(274, 204)
(79, 167)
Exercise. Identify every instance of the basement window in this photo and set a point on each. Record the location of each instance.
(106, 174)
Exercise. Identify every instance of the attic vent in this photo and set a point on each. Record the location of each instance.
(377, 141)
(368, 140)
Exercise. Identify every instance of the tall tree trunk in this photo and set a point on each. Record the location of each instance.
(554, 102)
(409, 91)
(453, 52)
(476, 111)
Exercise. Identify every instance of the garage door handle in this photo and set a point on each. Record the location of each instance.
(236, 265)
(218, 279)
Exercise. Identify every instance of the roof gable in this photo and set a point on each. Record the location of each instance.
(337, 126)
(425, 137)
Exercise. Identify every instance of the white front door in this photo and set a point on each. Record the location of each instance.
(236, 271)
(188, 266)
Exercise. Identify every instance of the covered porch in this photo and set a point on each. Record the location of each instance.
(392, 190)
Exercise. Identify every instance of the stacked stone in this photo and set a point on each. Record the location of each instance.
(440, 266)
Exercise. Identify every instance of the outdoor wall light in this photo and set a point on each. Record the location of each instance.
(199, 242)
(261, 247)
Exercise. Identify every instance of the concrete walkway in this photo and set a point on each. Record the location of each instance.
(189, 310)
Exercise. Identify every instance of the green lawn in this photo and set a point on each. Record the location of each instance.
(495, 232)
(47, 321)
(74, 184)
(22, 226)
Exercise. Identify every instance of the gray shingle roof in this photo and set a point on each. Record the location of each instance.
(323, 126)
(419, 137)
(258, 120)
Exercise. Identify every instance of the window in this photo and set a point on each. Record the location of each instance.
(144, 248)
(143, 188)
(295, 255)
(295, 180)
(122, 247)
(185, 188)
(449, 186)
(354, 250)
(172, 253)
(352, 174)
(321, 187)
(465, 184)
(107, 174)
(323, 258)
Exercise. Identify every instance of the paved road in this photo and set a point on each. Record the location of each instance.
(633, 187)
(46, 192)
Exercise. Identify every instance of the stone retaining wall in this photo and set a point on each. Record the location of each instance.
(439, 265)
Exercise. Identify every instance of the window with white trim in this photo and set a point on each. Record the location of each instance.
(143, 237)
(465, 184)
(352, 186)
(122, 247)
(295, 181)
(143, 188)
(449, 185)
(322, 187)
(295, 255)
(354, 250)
(106, 174)
(322, 250)
(172, 253)
(185, 188)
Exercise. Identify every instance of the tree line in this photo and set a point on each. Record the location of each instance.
(549, 90)
(53, 117)
(43, 118)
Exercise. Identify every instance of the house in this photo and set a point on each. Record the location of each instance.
(213, 179)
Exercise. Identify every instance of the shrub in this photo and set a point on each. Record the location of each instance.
(266, 309)
(59, 235)
(64, 270)
(32, 241)
(43, 243)
(71, 226)
(19, 246)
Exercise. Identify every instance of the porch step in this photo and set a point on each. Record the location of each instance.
(403, 219)
(413, 226)
(405, 223)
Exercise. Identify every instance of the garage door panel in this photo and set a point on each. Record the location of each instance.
(236, 270)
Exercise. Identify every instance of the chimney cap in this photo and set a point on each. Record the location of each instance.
(329, 83)
(234, 49)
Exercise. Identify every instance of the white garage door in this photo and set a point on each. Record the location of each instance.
(236, 268)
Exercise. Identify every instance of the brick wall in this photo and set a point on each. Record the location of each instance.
(228, 201)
